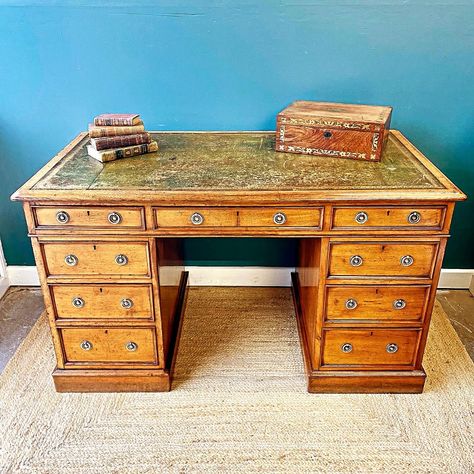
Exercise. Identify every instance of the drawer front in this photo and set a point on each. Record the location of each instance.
(370, 303)
(100, 258)
(371, 347)
(396, 260)
(102, 301)
(388, 217)
(90, 217)
(109, 345)
(285, 217)
(190, 217)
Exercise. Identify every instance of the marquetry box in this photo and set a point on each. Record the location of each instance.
(351, 131)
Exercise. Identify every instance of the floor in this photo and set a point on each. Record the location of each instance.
(20, 307)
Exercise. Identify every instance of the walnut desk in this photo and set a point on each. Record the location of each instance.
(106, 240)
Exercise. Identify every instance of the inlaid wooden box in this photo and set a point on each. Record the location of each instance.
(338, 130)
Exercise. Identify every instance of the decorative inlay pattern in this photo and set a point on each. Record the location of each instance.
(326, 123)
(321, 151)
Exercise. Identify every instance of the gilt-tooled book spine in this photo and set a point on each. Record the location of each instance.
(97, 132)
(116, 120)
(120, 141)
(117, 153)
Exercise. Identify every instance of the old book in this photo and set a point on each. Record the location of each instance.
(96, 132)
(104, 143)
(334, 130)
(116, 153)
(116, 120)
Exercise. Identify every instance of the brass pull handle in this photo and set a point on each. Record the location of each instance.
(121, 259)
(399, 304)
(71, 260)
(414, 217)
(351, 303)
(356, 260)
(114, 218)
(126, 303)
(407, 260)
(197, 218)
(78, 302)
(131, 346)
(62, 217)
(346, 347)
(361, 217)
(279, 218)
(391, 348)
(86, 345)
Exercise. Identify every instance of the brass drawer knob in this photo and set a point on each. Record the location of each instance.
(71, 260)
(86, 345)
(361, 217)
(126, 303)
(62, 217)
(279, 218)
(121, 259)
(114, 218)
(414, 217)
(391, 348)
(356, 260)
(197, 218)
(407, 260)
(346, 347)
(399, 304)
(351, 303)
(131, 346)
(78, 302)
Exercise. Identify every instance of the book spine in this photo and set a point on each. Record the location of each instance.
(114, 122)
(97, 132)
(120, 141)
(110, 155)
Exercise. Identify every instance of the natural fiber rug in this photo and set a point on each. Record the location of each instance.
(238, 405)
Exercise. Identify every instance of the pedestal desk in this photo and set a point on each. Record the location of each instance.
(106, 240)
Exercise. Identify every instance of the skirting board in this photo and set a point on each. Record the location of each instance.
(241, 276)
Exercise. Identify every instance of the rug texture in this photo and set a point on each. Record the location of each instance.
(238, 404)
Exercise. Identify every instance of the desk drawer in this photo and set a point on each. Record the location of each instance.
(102, 301)
(386, 304)
(109, 345)
(90, 217)
(280, 217)
(412, 218)
(99, 258)
(195, 217)
(384, 259)
(369, 348)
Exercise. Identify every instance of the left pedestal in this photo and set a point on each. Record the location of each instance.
(114, 298)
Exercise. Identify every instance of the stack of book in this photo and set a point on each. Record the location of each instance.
(116, 136)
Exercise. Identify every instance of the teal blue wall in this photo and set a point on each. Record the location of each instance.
(231, 65)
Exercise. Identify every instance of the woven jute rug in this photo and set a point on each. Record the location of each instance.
(239, 404)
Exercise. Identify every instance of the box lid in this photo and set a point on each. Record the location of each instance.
(308, 110)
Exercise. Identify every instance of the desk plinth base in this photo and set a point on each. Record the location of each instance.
(128, 380)
(111, 380)
(336, 381)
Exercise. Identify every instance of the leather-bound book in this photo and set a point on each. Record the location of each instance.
(104, 143)
(110, 131)
(117, 120)
(116, 153)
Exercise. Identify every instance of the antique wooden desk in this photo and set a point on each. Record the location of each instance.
(106, 239)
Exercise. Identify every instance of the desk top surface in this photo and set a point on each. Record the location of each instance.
(191, 165)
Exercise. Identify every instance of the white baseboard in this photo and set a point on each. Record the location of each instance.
(241, 276)
(4, 284)
(22, 275)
